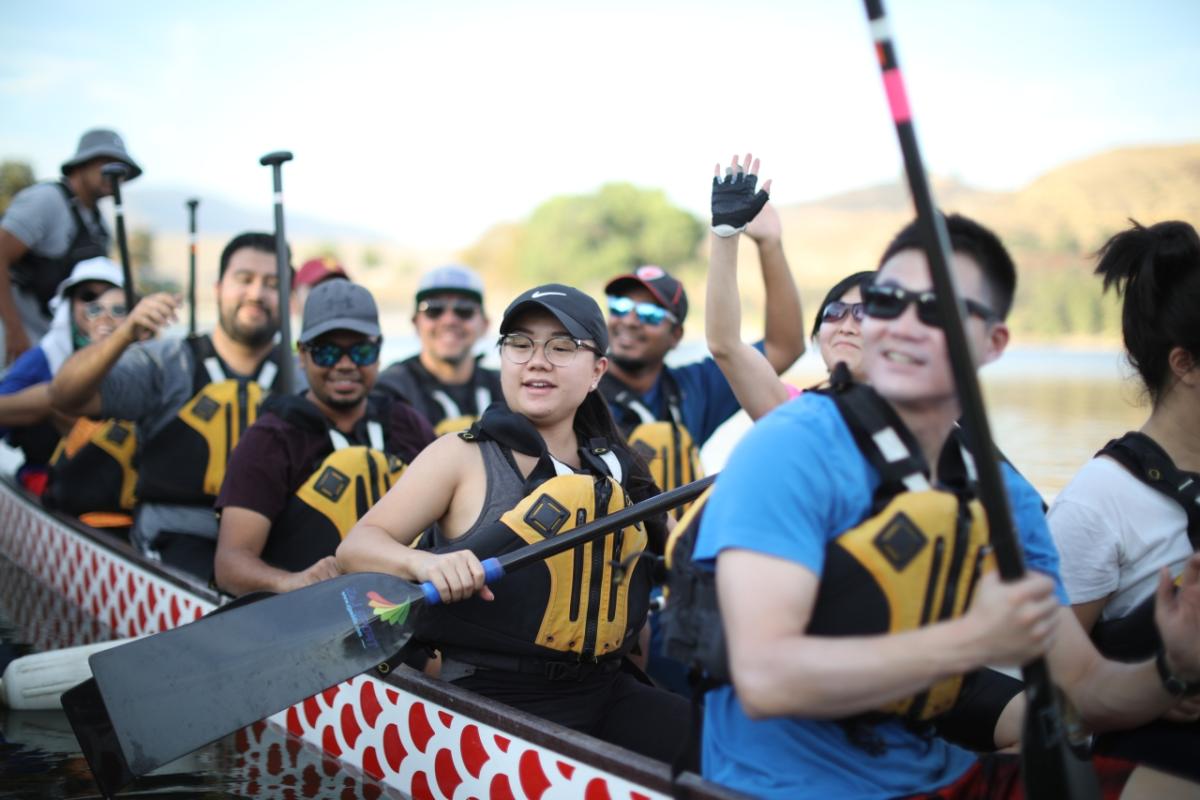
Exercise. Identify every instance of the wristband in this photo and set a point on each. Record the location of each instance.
(1172, 683)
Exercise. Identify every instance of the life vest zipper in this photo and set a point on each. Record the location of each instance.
(577, 571)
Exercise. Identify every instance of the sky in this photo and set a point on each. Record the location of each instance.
(430, 122)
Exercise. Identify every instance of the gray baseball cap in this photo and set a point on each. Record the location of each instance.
(102, 143)
(451, 278)
(339, 306)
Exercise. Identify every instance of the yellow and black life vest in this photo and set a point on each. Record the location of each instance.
(581, 607)
(915, 560)
(662, 440)
(347, 481)
(184, 463)
(93, 468)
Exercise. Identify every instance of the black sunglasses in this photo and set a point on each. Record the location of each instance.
(432, 309)
(326, 354)
(888, 302)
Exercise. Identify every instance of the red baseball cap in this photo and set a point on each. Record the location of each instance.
(666, 290)
(316, 270)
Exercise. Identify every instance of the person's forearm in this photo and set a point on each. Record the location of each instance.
(784, 326)
(8, 302)
(78, 380)
(29, 406)
(369, 548)
(722, 302)
(238, 573)
(835, 677)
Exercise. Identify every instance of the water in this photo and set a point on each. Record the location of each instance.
(1050, 411)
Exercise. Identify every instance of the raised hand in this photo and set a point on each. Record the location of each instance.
(1177, 614)
(766, 228)
(151, 315)
(734, 200)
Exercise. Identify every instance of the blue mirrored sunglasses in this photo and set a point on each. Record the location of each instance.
(326, 354)
(647, 313)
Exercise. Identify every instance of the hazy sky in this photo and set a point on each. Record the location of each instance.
(430, 122)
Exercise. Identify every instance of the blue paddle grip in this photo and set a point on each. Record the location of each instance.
(493, 570)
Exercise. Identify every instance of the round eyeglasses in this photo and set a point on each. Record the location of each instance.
(95, 309)
(517, 348)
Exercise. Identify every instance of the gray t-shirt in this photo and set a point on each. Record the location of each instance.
(41, 219)
(150, 383)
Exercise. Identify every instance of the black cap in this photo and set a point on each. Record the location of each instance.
(577, 312)
(666, 290)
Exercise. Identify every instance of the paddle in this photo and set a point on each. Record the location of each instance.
(166, 695)
(116, 172)
(1051, 767)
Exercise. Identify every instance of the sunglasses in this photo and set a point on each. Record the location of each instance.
(326, 354)
(647, 313)
(888, 302)
(836, 311)
(94, 310)
(432, 309)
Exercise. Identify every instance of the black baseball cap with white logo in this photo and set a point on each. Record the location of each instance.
(577, 312)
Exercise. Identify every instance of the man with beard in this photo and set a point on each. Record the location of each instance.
(444, 381)
(314, 463)
(190, 399)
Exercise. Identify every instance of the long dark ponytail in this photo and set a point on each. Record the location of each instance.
(1157, 271)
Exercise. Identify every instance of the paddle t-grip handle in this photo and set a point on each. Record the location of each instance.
(276, 157)
(493, 570)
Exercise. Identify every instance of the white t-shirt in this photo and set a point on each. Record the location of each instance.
(1113, 534)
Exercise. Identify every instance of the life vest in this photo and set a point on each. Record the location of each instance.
(1134, 636)
(410, 381)
(184, 463)
(576, 610)
(41, 275)
(346, 481)
(663, 441)
(915, 560)
(93, 468)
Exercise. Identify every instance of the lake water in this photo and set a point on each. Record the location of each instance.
(1050, 411)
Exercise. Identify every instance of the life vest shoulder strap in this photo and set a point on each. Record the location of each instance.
(211, 368)
(1150, 464)
(620, 395)
(881, 437)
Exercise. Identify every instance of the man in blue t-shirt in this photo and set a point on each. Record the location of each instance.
(799, 482)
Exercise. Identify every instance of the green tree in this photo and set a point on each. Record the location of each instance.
(586, 239)
(14, 176)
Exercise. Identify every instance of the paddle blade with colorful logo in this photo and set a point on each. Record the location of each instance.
(169, 694)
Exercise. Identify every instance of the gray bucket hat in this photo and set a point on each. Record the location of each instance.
(102, 143)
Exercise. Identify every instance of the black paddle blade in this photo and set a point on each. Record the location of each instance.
(172, 693)
(93, 729)
(1054, 760)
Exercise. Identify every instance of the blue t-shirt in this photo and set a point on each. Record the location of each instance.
(795, 482)
(30, 369)
(707, 400)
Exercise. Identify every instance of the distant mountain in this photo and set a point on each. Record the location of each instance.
(163, 211)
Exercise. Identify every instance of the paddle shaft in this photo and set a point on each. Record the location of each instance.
(993, 495)
(116, 172)
(191, 206)
(287, 379)
(496, 568)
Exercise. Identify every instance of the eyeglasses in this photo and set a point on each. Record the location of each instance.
(432, 309)
(560, 350)
(95, 309)
(888, 302)
(836, 311)
(647, 313)
(326, 354)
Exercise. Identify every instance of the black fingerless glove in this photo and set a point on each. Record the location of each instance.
(735, 203)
